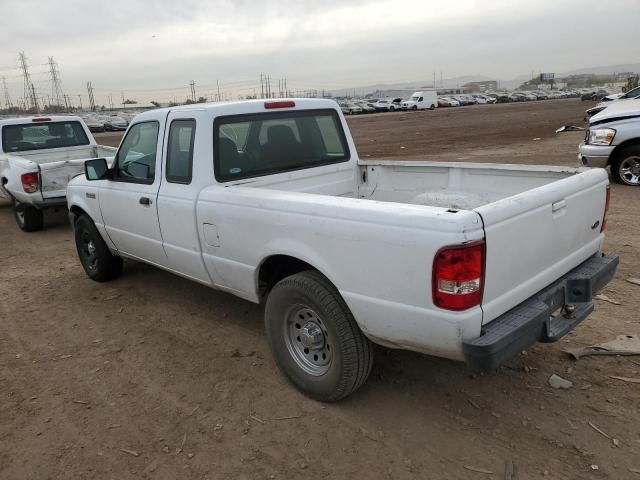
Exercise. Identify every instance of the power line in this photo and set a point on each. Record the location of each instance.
(7, 97)
(56, 87)
(29, 90)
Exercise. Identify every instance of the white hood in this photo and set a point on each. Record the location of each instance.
(618, 109)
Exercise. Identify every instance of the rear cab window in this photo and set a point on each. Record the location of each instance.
(180, 151)
(254, 145)
(45, 135)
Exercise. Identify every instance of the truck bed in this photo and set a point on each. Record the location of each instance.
(539, 221)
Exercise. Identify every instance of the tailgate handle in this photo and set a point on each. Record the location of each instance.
(559, 205)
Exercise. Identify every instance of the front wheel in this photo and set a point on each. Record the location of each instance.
(432, 107)
(625, 169)
(314, 338)
(95, 257)
(415, 108)
(28, 217)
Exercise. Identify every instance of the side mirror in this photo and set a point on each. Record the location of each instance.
(96, 169)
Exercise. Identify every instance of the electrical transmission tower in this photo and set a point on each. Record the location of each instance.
(56, 87)
(92, 103)
(192, 86)
(7, 97)
(29, 89)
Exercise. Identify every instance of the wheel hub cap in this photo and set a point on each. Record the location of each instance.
(630, 170)
(91, 248)
(307, 340)
(311, 336)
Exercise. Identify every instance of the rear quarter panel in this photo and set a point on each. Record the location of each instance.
(378, 255)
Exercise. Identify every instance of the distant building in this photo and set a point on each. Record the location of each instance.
(482, 86)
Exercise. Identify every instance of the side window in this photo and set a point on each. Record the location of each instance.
(180, 151)
(136, 161)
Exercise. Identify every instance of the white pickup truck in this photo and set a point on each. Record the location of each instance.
(38, 156)
(268, 200)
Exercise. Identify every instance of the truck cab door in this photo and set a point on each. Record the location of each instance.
(188, 168)
(128, 199)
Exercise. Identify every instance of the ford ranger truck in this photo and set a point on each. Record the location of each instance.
(268, 200)
(38, 156)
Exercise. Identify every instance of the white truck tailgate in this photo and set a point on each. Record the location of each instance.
(54, 176)
(535, 237)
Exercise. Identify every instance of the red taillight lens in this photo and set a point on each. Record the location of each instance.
(29, 182)
(458, 276)
(607, 202)
(280, 104)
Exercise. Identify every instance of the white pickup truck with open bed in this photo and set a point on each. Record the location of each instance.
(38, 156)
(268, 200)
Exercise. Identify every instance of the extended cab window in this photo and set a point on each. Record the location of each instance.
(259, 144)
(136, 160)
(38, 136)
(180, 151)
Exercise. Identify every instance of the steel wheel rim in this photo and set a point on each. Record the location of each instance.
(88, 251)
(307, 340)
(630, 170)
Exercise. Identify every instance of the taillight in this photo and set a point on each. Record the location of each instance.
(607, 201)
(279, 104)
(458, 276)
(29, 182)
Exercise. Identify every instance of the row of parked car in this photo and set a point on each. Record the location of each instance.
(107, 123)
(422, 100)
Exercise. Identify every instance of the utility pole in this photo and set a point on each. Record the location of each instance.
(29, 89)
(92, 102)
(7, 97)
(261, 85)
(56, 88)
(192, 85)
(80, 101)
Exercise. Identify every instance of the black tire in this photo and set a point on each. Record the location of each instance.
(625, 167)
(392, 108)
(432, 107)
(414, 108)
(95, 257)
(310, 296)
(28, 218)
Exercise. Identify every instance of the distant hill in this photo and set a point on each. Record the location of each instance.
(508, 84)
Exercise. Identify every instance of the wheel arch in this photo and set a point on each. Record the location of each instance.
(619, 148)
(275, 267)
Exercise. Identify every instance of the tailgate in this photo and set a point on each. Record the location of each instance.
(54, 176)
(535, 237)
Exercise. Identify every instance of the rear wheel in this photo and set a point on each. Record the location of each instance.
(95, 257)
(314, 338)
(28, 218)
(625, 168)
(432, 107)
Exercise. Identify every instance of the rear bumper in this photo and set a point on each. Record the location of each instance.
(533, 320)
(50, 202)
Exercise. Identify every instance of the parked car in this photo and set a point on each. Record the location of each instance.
(427, 99)
(38, 156)
(588, 95)
(350, 108)
(383, 105)
(599, 94)
(613, 140)
(343, 252)
(94, 124)
(444, 102)
(113, 124)
(366, 107)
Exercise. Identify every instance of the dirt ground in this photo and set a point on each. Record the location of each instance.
(152, 376)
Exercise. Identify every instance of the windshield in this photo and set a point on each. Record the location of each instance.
(414, 99)
(254, 145)
(38, 136)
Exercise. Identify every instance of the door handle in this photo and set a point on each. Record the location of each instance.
(145, 201)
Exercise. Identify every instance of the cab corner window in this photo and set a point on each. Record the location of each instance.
(136, 161)
(180, 151)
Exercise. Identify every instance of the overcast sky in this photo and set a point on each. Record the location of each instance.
(152, 49)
